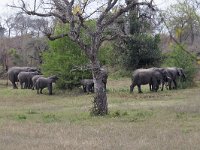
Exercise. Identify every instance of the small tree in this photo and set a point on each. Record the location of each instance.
(140, 48)
(68, 53)
(141, 51)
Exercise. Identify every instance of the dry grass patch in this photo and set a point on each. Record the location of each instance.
(152, 121)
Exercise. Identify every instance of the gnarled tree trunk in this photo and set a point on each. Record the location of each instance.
(100, 100)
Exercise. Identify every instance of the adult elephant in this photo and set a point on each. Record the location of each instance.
(143, 77)
(26, 79)
(43, 82)
(14, 71)
(162, 76)
(174, 73)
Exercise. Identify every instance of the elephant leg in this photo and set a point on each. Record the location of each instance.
(14, 85)
(92, 88)
(84, 88)
(50, 89)
(30, 85)
(162, 86)
(139, 89)
(41, 90)
(170, 85)
(175, 84)
(21, 84)
(105, 86)
(38, 91)
(87, 89)
(25, 85)
(33, 87)
(150, 86)
(132, 87)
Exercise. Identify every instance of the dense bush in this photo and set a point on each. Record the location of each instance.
(65, 59)
(182, 59)
(141, 51)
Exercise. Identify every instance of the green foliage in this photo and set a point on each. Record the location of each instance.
(21, 117)
(106, 54)
(62, 59)
(181, 59)
(50, 118)
(141, 48)
(141, 51)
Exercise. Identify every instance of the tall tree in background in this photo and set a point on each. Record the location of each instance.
(183, 21)
(75, 13)
(140, 48)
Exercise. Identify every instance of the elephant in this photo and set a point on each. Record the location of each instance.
(162, 76)
(43, 82)
(88, 85)
(142, 77)
(105, 76)
(34, 79)
(26, 78)
(14, 71)
(174, 73)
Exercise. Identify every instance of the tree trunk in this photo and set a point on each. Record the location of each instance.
(100, 100)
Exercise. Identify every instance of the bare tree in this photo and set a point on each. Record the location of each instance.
(76, 13)
(9, 24)
(183, 20)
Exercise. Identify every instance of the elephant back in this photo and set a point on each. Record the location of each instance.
(142, 76)
(87, 81)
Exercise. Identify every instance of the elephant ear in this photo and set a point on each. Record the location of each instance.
(182, 73)
(179, 72)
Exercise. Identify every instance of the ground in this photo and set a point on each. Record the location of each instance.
(149, 121)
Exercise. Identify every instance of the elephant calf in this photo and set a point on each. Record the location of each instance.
(43, 82)
(34, 79)
(26, 79)
(88, 85)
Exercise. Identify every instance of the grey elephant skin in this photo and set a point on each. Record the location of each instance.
(26, 79)
(162, 76)
(88, 85)
(143, 77)
(14, 71)
(174, 73)
(34, 79)
(105, 76)
(43, 82)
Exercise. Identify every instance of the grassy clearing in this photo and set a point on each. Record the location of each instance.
(162, 120)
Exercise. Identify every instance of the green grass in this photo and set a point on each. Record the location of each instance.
(161, 120)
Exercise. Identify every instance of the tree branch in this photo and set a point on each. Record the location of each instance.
(125, 9)
(174, 39)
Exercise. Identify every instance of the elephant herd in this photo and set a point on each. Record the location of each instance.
(30, 78)
(156, 76)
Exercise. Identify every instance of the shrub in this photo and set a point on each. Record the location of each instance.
(182, 59)
(64, 59)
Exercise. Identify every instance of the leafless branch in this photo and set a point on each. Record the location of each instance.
(125, 9)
